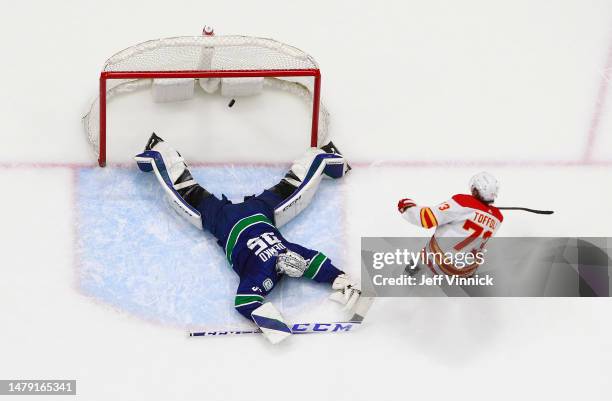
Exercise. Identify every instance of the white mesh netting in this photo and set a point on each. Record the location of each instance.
(207, 53)
(194, 53)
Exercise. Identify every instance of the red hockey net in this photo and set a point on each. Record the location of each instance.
(209, 60)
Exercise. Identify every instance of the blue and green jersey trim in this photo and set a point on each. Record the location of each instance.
(315, 265)
(239, 228)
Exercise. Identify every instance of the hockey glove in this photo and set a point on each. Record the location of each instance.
(348, 291)
(404, 204)
(291, 263)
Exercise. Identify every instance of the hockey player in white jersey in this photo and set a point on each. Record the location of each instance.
(463, 224)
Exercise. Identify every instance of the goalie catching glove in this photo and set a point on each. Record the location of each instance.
(348, 291)
(291, 263)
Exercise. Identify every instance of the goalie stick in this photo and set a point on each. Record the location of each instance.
(354, 323)
(526, 209)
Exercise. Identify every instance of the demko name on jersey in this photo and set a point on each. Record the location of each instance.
(266, 246)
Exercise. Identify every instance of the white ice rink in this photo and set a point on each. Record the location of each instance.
(421, 95)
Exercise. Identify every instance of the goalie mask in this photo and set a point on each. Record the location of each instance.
(292, 264)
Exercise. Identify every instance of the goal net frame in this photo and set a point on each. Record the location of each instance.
(132, 76)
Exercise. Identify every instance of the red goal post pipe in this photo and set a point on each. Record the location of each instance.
(106, 75)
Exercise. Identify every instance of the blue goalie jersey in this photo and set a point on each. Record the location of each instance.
(251, 242)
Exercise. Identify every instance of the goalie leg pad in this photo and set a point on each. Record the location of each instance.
(306, 166)
(271, 323)
(172, 160)
(335, 170)
(168, 167)
(144, 165)
(305, 175)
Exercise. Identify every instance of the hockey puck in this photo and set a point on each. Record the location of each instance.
(231, 103)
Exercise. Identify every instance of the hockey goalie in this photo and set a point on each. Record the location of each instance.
(463, 225)
(248, 231)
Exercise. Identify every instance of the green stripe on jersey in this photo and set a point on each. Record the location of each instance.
(242, 300)
(238, 228)
(315, 265)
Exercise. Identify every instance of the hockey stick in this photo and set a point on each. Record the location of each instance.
(354, 323)
(526, 209)
(297, 328)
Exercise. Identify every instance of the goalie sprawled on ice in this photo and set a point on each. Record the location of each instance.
(248, 231)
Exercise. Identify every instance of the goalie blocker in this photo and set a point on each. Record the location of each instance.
(248, 231)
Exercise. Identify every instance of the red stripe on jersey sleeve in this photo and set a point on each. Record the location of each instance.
(428, 220)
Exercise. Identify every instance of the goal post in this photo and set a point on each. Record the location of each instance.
(202, 59)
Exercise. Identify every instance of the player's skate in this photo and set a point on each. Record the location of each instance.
(172, 173)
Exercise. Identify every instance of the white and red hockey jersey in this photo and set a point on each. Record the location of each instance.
(463, 224)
